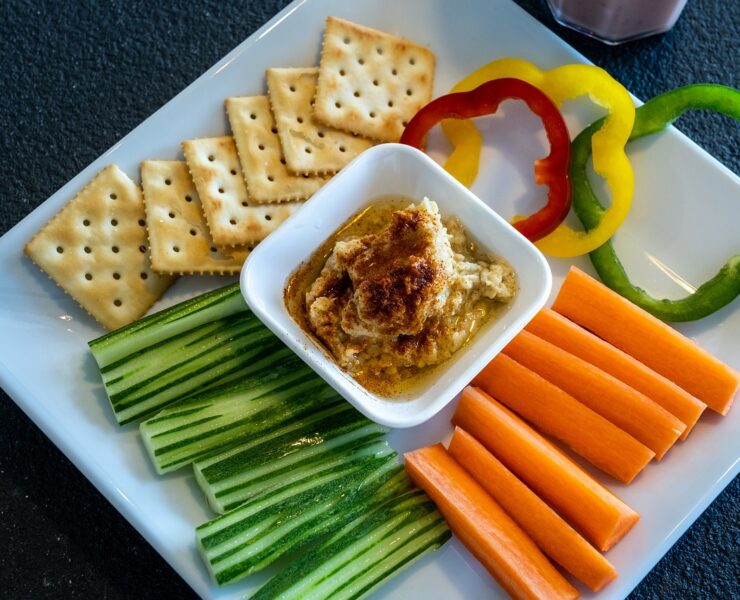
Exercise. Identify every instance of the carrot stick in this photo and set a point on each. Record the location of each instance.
(550, 532)
(508, 553)
(587, 505)
(615, 319)
(627, 408)
(565, 334)
(557, 413)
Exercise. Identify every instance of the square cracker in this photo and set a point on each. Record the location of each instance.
(232, 217)
(179, 239)
(95, 249)
(308, 146)
(267, 177)
(371, 82)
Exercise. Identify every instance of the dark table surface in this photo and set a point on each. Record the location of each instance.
(74, 78)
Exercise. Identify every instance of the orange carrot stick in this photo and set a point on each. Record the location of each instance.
(508, 554)
(587, 505)
(557, 413)
(550, 532)
(627, 408)
(615, 319)
(565, 334)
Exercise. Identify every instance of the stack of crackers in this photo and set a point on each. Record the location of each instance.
(115, 247)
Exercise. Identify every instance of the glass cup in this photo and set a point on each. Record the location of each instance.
(617, 21)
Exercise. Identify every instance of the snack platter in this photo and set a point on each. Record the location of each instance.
(70, 406)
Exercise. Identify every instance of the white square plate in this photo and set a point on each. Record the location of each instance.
(682, 228)
(393, 170)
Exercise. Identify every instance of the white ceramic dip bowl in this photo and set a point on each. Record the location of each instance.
(393, 170)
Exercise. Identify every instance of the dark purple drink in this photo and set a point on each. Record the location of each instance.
(617, 21)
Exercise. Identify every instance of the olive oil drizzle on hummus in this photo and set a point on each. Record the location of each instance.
(395, 292)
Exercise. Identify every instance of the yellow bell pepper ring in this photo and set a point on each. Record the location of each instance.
(609, 157)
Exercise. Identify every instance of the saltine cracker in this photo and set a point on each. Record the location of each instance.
(308, 146)
(370, 82)
(232, 217)
(95, 249)
(179, 239)
(265, 172)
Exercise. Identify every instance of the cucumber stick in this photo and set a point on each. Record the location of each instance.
(193, 346)
(300, 470)
(224, 417)
(197, 359)
(167, 323)
(278, 522)
(297, 451)
(362, 555)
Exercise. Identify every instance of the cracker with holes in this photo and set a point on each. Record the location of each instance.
(179, 239)
(370, 82)
(308, 146)
(95, 248)
(267, 176)
(233, 218)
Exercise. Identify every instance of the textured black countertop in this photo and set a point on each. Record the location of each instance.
(77, 76)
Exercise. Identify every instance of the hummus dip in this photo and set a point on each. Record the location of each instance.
(397, 291)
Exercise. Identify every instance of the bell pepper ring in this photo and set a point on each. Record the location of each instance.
(609, 158)
(484, 100)
(652, 117)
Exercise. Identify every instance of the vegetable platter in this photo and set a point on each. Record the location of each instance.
(69, 405)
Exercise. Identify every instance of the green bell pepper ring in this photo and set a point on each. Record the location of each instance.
(655, 115)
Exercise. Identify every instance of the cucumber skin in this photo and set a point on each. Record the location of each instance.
(222, 301)
(333, 423)
(347, 508)
(280, 405)
(434, 540)
(130, 411)
(156, 361)
(415, 502)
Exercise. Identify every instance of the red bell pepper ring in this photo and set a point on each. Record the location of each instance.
(484, 100)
